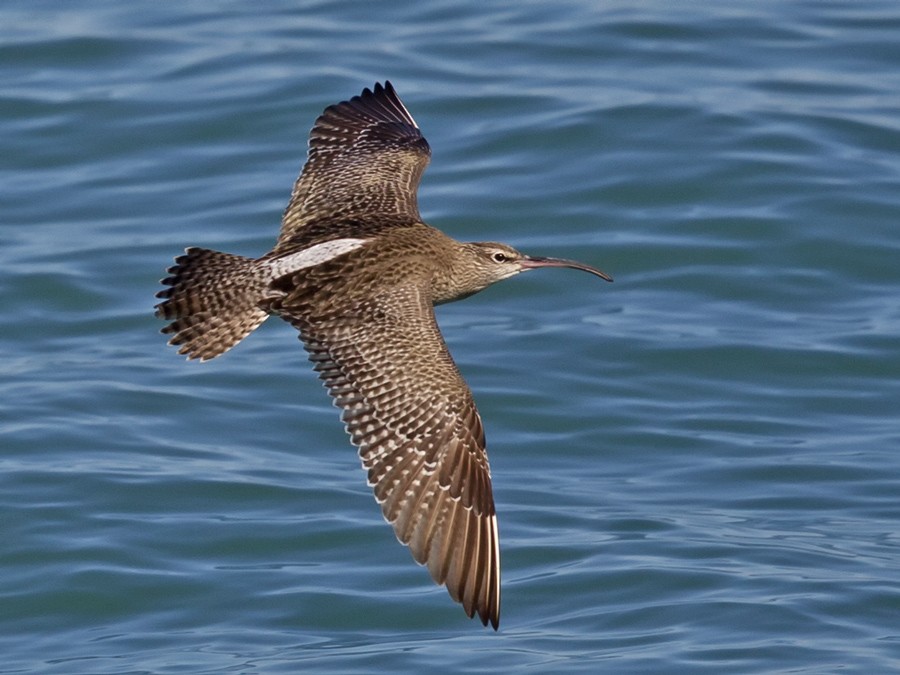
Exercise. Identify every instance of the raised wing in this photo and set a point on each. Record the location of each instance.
(408, 410)
(366, 158)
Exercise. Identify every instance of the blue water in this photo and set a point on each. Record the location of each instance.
(696, 468)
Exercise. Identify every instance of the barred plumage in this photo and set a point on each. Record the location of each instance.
(358, 273)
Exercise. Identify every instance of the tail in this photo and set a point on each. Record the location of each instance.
(213, 299)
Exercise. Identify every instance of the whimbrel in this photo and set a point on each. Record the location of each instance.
(358, 273)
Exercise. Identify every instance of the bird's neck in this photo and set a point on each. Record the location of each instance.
(457, 277)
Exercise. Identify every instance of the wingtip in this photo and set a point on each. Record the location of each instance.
(490, 618)
(378, 89)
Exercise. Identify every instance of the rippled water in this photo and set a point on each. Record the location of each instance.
(696, 468)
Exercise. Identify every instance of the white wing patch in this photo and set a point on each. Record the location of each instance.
(314, 255)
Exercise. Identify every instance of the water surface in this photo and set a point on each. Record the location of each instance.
(695, 467)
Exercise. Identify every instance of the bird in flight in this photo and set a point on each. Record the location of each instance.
(357, 273)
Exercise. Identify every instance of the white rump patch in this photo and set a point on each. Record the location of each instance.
(314, 255)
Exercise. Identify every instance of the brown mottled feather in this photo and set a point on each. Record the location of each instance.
(212, 300)
(364, 308)
(366, 158)
(408, 410)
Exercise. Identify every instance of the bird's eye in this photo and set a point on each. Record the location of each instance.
(499, 257)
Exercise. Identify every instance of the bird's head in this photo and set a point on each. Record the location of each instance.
(487, 262)
(500, 261)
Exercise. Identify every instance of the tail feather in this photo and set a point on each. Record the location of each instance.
(212, 300)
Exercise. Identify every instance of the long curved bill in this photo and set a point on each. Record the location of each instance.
(534, 262)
